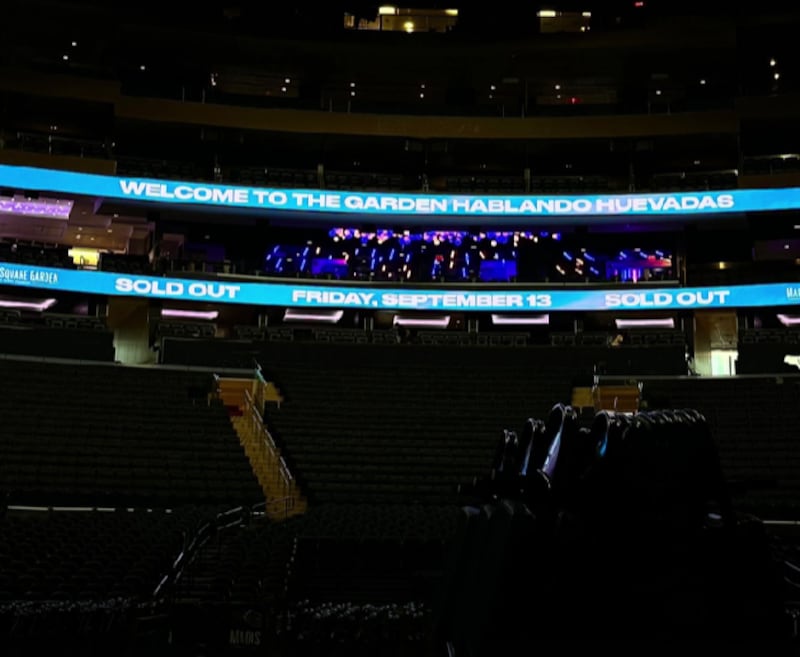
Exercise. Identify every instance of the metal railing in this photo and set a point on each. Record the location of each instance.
(260, 431)
(230, 518)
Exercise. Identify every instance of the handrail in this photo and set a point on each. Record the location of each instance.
(259, 372)
(272, 448)
(261, 382)
(232, 517)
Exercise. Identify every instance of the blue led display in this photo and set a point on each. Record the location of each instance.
(508, 299)
(398, 204)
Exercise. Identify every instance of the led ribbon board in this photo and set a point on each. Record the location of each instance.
(389, 204)
(507, 299)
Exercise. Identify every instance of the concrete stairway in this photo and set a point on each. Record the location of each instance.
(245, 400)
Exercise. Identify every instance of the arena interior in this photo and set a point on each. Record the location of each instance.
(446, 330)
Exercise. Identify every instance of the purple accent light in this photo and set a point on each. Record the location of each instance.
(53, 208)
(39, 306)
(531, 320)
(330, 317)
(190, 314)
(788, 320)
(433, 322)
(666, 322)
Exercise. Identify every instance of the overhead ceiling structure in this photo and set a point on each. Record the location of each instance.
(69, 221)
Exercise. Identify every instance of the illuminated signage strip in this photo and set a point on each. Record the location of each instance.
(388, 204)
(401, 298)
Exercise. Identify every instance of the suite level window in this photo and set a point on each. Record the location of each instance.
(551, 21)
(390, 18)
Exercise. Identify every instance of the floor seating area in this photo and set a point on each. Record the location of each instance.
(107, 474)
(753, 421)
(92, 554)
(370, 554)
(111, 435)
(363, 576)
(243, 565)
(386, 424)
(54, 341)
(622, 530)
(441, 481)
(578, 353)
(78, 581)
